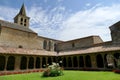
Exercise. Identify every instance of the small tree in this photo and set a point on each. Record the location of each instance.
(53, 70)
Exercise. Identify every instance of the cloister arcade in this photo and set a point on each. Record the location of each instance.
(95, 61)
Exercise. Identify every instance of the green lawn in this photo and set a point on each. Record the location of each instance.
(68, 75)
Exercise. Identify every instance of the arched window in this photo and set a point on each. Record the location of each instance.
(11, 63)
(81, 61)
(23, 63)
(45, 44)
(31, 63)
(99, 61)
(75, 61)
(50, 45)
(37, 62)
(88, 61)
(73, 45)
(69, 62)
(55, 47)
(2, 63)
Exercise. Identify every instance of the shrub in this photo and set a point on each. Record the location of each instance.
(53, 70)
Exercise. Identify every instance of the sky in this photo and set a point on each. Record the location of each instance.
(66, 19)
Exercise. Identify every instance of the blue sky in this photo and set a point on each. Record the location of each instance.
(66, 19)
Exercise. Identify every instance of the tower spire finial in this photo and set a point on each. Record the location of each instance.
(22, 10)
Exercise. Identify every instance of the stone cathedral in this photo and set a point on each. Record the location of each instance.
(23, 50)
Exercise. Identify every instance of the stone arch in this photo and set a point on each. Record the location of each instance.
(23, 63)
(81, 61)
(75, 61)
(64, 62)
(49, 60)
(116, 56)
(43, 62)
(31, 63)
(88, 61)
(37, 63)
(54, 59)
(99, 61)
(2, 63)
(11, 63)
(69, 62)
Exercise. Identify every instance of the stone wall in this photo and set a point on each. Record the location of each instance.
(20, 39)
(79, 43)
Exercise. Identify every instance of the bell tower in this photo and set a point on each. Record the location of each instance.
(21, 17)
(115, 32)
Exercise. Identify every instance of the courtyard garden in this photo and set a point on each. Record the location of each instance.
(68, 75)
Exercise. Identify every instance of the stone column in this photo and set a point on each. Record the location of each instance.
(84, 61)
(46, 60)
(6, 60)
(40, 62)
(104, 61)
(72, 61)
(27, 62)
(34, 62)
(93, 61)
(66, 61)
(17, 62)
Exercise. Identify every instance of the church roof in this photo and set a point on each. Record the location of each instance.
(15, 26)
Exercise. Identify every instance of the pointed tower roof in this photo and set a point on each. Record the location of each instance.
(22, 10)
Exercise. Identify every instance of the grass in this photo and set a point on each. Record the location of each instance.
(68, 75)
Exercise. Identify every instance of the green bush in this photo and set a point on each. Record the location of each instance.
(53, 70)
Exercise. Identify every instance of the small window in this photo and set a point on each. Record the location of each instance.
(21, 23)
(73, 44)
(20, 46)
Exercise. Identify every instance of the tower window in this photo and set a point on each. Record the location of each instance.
(21, 19)
(25, 20)
(24, 24)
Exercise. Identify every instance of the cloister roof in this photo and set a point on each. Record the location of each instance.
(21, 51)
(94, 49)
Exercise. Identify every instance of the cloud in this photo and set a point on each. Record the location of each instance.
(94, 21)
(7, 13)
(59, 0)
(47, 22)
(88, 4)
